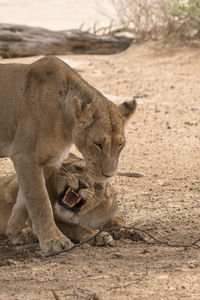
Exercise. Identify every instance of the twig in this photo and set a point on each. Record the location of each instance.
(130, 174)
(55, 295)
(89, 294)
(140, 96)
(191, 245)
(131, 283)
(76, 245)
(81, 26)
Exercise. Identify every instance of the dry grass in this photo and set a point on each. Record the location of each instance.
(154, 19)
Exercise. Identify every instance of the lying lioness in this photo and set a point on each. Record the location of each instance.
(80, 206)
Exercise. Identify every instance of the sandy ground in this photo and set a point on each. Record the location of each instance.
(163, 141)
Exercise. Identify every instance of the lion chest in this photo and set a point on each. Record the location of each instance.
(62, 156)
(53, 153)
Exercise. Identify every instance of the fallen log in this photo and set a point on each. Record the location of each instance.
(21, 40)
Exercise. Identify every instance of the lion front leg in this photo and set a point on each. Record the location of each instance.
(32, 183)
(17, 229)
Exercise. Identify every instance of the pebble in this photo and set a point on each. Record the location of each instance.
(145, 251)
(84, 246)
(12, 262)
(192, 265)
(118, 255)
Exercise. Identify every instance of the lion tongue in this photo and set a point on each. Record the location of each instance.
(71, 198)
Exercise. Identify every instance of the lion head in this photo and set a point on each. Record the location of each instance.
(99, 134)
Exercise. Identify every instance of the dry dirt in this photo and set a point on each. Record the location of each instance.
(163, 141)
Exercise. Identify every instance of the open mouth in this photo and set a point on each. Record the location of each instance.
(70, 199)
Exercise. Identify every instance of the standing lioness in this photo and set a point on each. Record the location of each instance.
(45, 107)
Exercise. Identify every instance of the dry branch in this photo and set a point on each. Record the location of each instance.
(55, 295)
(193, 244)
(20, 40)
(137, 281)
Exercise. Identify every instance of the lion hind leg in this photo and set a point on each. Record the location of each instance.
(79, 233)
(116, 221)
(75, 232)
(122, 233)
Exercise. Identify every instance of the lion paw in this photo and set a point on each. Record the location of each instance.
(125, 233)
(23, 237)
(56, 245)
(86, 194)
(72, 181)
(102, 239)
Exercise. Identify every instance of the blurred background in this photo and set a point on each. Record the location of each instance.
(56, 14)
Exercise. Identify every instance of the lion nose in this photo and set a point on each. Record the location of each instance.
(107, 175)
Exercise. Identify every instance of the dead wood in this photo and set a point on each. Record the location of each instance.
(194, 244)
(20, 40)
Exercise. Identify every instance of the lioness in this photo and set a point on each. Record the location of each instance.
(78, 212)
(45, 108)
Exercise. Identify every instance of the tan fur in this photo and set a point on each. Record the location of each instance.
(45, 107)
(8, 194)
(100, 210)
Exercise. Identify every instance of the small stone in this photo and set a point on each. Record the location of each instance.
(145, 251)
(63, 262)
(84, 246)
(163, 276)
(191, 266)
(93, 297)
(120, 70)
(161, 182)
(12, 262)
(118, 255)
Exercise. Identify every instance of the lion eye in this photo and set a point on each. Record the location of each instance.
(98, 145)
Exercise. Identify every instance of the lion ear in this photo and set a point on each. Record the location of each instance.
(127, 109)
